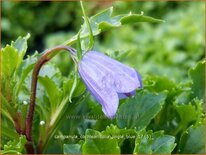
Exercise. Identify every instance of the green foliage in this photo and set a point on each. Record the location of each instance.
(154, 143)
(197, 75)
(188, 114)
(140, 110)
(15, 146)
(72, 149)
(21, 45)
(193, 140)
(103, 21)
(112, 139)
(79, 87)
(53, 92)
(12, 57)
(10, 61)
(97, 143)
(113, 130)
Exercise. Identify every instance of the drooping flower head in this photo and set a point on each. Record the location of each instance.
(108, 80)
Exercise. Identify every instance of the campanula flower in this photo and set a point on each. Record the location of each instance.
(108, 80)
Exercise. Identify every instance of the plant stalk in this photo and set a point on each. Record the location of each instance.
(50, 53)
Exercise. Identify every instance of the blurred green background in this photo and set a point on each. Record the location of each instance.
(167, 49)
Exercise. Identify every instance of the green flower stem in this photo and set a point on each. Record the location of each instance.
(79, 48)
(74, 84)
(91, 37)
(50, 53)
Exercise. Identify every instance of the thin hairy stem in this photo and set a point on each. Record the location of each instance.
(50, 53)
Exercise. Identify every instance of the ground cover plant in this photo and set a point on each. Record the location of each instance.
(128, 78)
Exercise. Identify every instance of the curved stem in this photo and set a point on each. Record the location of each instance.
(50, 53)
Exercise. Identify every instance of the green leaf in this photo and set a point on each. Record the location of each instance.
(187, 113)
(10, 60)
(21, 45)
(140, 110)
(74, 84)
(168, 114)
(50, 70)
(15, 147)
(197, 75)
(104, 21)
(86, 20)
(160, 84)
(119, 134)
(153, 143)
(162, 143)
(12, 56)
(72, 149)
(9, 132)
(193, 140)
(79, 88)
(78, 45)
(7, 109)
(143, 142)
(97, 143)
(26, 68)
(54, 93)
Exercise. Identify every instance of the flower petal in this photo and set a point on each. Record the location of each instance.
(104, 94)
(126, 79)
